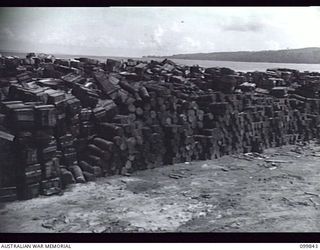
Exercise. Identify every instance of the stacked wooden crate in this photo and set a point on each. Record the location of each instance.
(108, 121)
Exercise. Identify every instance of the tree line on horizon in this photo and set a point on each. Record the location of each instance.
(305, 55)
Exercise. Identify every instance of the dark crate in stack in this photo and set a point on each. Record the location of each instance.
(70, 172)
(50, 164)
(20, 116)
(46, 120)
(8, 176)
(8, 194)
(29, 171)
(21, 119)
(102, 152)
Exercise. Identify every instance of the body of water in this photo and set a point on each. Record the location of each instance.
(237, 66)
(249, 66)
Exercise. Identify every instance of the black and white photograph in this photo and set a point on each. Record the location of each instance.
(159, 119)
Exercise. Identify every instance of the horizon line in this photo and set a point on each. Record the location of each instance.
(187, 53)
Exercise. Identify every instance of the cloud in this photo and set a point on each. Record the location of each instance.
(273, 45)
(160, 31)
(158, 35)
(176, 26)
(6, 34)
(241, 25)
(189, 43)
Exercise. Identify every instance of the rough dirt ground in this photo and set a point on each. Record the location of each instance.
(278, 191)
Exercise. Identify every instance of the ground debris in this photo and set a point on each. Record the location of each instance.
(256, 155)
(243, 158)
(278, 161)
(206, 196)
(99, 229)
(314, 203)
(295, 203)
(317, 195)
(297, 150)
(175, 176)
(179, 174)
(53, 222)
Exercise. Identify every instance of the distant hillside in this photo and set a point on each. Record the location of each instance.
(304, 55)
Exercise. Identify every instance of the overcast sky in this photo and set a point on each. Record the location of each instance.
(157, 31)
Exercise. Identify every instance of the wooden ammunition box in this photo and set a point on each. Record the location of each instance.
(28, 191)
(8, 194)
(45, 116)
